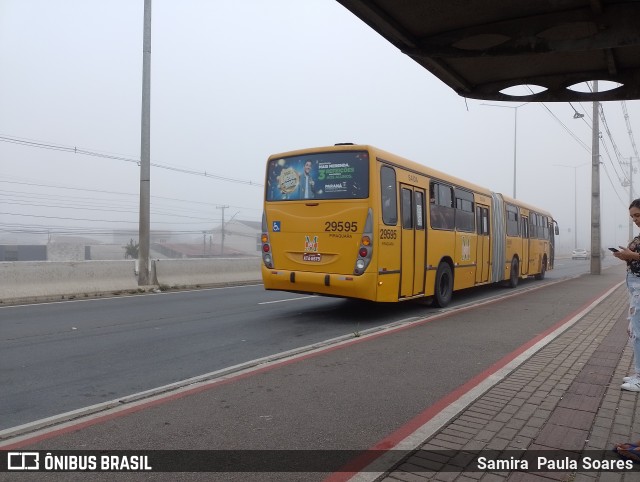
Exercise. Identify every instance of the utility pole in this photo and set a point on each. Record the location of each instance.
(222, 229)
(145, 157)
(630, 195)
(595, 187)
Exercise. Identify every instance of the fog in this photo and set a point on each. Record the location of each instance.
(235, 81)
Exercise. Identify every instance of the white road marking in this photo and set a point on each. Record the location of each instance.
(288, 299)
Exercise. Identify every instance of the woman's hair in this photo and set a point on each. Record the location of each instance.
(635, 204)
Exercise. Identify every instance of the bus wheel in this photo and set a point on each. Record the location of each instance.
(514, 276)
(543, 271)
(444, 285)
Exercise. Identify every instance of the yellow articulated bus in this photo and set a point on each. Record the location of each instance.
(355, 221)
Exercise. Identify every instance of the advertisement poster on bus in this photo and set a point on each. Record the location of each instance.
(340, 175)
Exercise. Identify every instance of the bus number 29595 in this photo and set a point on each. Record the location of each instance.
(341, 226)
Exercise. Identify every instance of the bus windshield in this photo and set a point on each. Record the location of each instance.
(330, 175)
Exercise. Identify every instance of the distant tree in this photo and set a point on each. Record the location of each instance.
(131, 250)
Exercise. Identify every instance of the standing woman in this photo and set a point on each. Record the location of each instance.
(631, 254)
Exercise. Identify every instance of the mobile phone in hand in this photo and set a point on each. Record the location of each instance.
(614, 250)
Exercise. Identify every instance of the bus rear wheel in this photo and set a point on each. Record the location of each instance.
(543, 269)
(514, 276)
(444, 285)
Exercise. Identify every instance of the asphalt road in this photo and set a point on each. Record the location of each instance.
(58, 357)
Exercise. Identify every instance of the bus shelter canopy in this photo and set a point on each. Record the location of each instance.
(482, 49)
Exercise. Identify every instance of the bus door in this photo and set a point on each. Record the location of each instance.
(482, 254)
(413, 240)
(524, 261)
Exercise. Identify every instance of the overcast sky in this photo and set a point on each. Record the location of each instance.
(234, 81)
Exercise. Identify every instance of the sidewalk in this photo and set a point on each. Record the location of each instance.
(566, 397)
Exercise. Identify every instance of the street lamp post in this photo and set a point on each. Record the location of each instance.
(575, 201)
(515, 137)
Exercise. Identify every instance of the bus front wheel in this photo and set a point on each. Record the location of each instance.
(444, 285)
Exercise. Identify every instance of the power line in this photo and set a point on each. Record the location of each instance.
(602, 116)
(118, 193)
(629, 131)
(574, 136)
(93, 153)
(621, 182)
(624, 176)
(91, 220)
(606, 149)
(587, 115)
(84, 231)
(105, 209)
(612, 185)
(603, 119)
(569, 131)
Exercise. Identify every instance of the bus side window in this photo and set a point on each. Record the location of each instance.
(482, 221)
(513, 223)
(465, 220)
(407, 209)
(533, 225)
(435, 220)
(525, 227)
(419, 210)
(545, 227)
(442, 210)
(388, 196)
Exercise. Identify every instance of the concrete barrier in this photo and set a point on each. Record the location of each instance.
(207, 271)
(28, 280)
(33, 279)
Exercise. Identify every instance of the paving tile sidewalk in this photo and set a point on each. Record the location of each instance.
(566, 397)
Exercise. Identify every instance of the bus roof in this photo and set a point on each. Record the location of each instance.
(517, 202)
(412, 165)
(389, 157)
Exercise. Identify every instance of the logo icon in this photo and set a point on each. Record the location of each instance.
(466, 248)
(23, 460)
(310, 245)
(288, 180)
(276, 227)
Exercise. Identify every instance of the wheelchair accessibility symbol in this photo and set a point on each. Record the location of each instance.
(276, 227)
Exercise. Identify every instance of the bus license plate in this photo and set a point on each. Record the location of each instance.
(315, 257)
